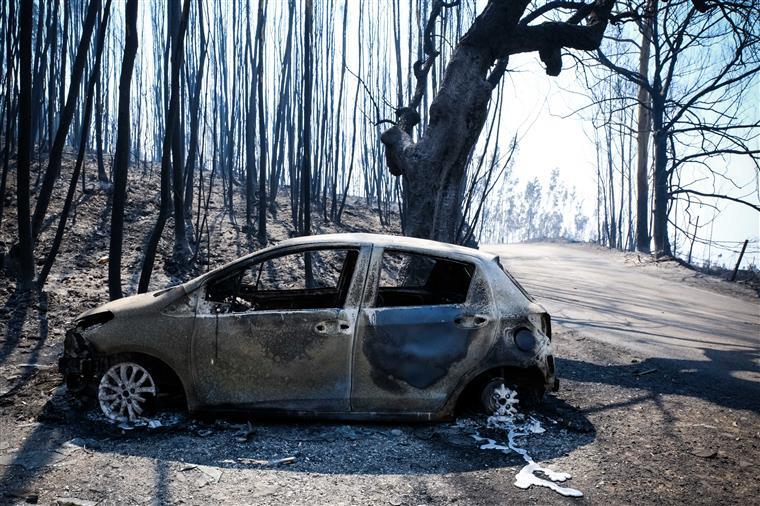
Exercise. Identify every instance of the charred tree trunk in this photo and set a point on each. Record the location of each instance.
(64, 55)
(24, 257)
(642, 135)
(610, 179)
(195, 115)
(262, 196)
(308, 78)
(120, 164)
(52, 78)
(94, 77)
(56, 152)
(9, 102)
(102, 176)
(182, 250)
(250, 133)
(40, 65)
(661, 190)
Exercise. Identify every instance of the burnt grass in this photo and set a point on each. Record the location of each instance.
(629, 431)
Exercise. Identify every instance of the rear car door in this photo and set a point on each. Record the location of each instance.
(278, 334)
(425, 321)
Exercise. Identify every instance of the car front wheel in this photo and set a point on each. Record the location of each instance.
(126, 392)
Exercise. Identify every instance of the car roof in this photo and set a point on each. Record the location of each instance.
(386, 241)
(425, 246)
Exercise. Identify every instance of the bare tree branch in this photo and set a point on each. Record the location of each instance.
(717, 196)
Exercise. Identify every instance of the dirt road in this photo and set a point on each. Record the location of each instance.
(664, 314)
(658, 404)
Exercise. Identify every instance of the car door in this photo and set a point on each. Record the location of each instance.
(278, 334)
(425, 321)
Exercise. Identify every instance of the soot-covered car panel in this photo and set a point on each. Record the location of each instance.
(344, 326)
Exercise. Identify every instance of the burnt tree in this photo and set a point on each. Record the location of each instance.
(308, 78)
(643, 132)
(24, 257)
(181, 245)
(67, 115)
(121, 156)
(94, 78)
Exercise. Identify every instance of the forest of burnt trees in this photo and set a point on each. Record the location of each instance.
(396, 102)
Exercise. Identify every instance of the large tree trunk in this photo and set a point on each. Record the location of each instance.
(436, 164)
(308, 81)
(434, 167)
(642, 135)
(262, 196)
(121, 157)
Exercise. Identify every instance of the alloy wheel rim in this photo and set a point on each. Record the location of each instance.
(124, 392)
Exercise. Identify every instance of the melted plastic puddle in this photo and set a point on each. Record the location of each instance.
(517, 424)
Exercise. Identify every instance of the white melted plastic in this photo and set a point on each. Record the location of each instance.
(515, 425)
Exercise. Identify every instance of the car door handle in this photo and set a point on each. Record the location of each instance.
(471, 321)
(331, 326)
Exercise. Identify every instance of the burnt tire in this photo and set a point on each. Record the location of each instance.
(489, 399)
(529, 397)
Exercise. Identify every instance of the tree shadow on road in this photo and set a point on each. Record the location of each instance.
(737, 387)
(19, 305)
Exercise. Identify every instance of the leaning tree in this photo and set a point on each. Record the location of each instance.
(433, 167)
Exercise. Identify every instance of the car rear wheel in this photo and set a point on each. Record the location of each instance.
(498, 394)
(126, 392)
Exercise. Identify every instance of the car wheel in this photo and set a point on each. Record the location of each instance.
(499, 393)
(496, 395)
(126, 392)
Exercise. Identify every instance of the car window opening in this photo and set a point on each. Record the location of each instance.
(311, 279)
(412, 279)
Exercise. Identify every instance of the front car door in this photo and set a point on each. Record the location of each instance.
(278, 333)
(426, 320)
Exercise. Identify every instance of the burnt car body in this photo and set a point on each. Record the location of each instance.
(356, 326)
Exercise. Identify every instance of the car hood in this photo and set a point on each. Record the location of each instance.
(138, 304)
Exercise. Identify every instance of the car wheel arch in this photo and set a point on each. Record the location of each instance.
(163, 374)
(470, 389)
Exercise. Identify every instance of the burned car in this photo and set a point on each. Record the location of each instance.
(356, 326)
